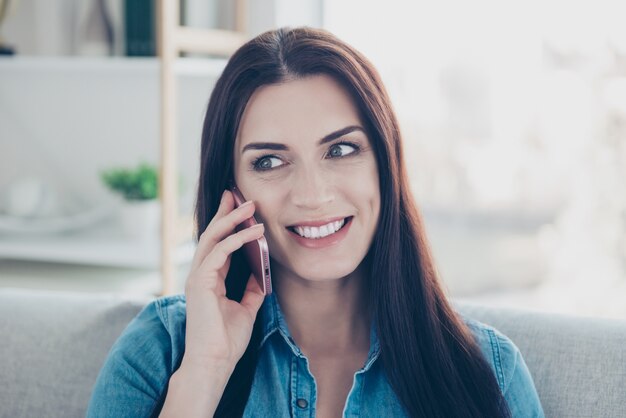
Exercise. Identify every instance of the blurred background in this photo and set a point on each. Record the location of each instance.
(513, 117)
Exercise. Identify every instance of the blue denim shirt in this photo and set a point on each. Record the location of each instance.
(133, 381)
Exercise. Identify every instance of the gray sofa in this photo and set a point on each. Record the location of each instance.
(53, 344)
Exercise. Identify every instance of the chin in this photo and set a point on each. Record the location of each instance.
(329, 272)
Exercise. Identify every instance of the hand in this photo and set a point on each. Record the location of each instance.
(219, 329)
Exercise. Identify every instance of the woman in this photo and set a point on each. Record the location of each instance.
(358, 324)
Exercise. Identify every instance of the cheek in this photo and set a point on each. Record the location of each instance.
(370, 189)
(267, 205)
(374, 206)
(365, 183)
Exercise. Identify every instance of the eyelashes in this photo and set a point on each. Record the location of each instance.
(261, 163)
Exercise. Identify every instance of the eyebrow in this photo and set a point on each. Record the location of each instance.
(282, 147)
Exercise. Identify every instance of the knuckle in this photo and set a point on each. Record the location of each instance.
(237, 240)
(205, 234)
(221, 249)
(235, 219)
(233, 222)
(202, 281)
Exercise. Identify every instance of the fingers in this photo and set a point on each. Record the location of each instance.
(253, 296)
(227, 204)
(225, 225)
(222, 224)
(223, 249)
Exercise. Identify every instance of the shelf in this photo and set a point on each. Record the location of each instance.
(104, 245)
(125, 90)
(188, 66)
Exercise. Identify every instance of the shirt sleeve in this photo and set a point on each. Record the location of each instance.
(519, 389)
(133, 380)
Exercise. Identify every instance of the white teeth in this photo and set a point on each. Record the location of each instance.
(319, 232)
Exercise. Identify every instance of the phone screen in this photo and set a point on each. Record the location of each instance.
(257, 251)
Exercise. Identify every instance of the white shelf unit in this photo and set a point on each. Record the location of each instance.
(174, 39)
(188, 66)
(103, 245)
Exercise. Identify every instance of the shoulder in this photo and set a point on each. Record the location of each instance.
(509, 367)
(156, 334)
(498, 349)
(162, 322)
(171, 311)
(140, 363)
(163, 316)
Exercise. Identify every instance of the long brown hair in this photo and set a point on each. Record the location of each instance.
(428, 354)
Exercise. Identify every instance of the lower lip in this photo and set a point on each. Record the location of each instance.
(323, 242)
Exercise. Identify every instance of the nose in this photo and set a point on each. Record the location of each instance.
(311, 189)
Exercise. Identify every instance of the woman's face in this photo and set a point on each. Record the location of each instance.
(302, 155)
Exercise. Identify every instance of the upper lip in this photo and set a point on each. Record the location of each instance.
(318, 223)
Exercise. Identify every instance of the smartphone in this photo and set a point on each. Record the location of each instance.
(257, 251)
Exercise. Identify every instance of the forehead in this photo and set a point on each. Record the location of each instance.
(297, 109)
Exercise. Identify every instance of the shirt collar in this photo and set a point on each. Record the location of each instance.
(273, 321)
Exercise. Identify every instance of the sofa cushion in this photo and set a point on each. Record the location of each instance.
(52, 347)
(578, 364)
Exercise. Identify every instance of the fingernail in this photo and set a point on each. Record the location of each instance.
(246, 203)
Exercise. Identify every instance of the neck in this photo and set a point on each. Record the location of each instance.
(326, 318)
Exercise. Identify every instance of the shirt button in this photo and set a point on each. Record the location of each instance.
(302, 403)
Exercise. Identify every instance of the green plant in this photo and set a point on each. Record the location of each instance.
(141, 183)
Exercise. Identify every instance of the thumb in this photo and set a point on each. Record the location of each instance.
(253, 296)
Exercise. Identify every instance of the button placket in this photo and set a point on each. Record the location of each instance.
(302, 389)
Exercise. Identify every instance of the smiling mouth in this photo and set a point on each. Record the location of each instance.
(312, 232)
